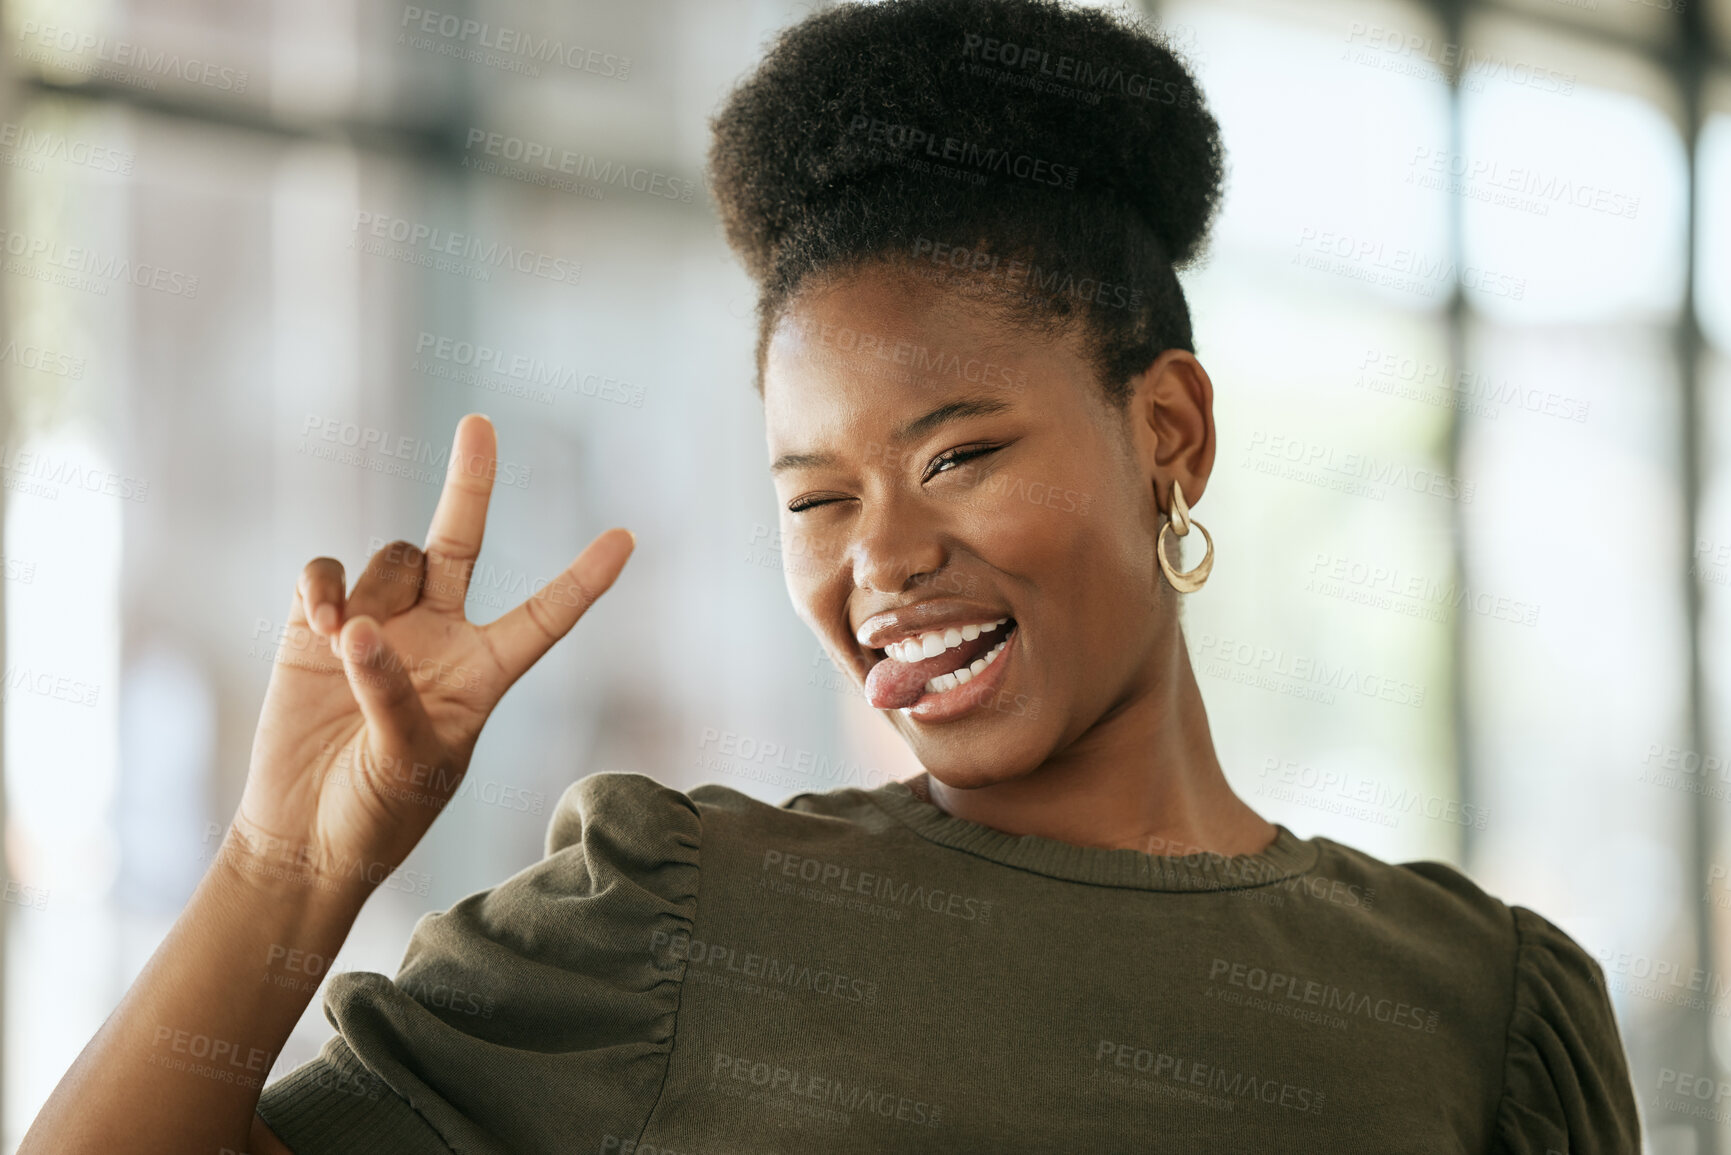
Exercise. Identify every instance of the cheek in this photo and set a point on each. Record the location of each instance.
(1032, 527)
(810, 564)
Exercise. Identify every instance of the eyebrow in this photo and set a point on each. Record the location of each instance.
(978, 405)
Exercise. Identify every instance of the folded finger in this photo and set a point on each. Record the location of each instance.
(319, 604)
(391, 582)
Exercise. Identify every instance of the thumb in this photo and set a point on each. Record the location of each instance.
(379, 680)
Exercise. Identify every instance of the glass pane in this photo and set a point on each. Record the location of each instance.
(1328, 699)
(1572, 186)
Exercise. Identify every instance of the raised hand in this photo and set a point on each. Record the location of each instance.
(376, 698)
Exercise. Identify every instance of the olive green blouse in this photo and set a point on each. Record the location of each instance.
(857, 971)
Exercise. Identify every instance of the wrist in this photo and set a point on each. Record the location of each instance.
(291, 872)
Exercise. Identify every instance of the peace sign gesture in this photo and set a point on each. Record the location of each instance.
(376, 698)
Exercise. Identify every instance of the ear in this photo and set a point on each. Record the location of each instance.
(1171, 411)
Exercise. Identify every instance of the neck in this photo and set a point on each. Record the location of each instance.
(1144, 777)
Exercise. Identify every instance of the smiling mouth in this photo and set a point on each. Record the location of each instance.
(894, 682)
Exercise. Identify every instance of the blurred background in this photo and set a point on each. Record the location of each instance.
(1467, 311)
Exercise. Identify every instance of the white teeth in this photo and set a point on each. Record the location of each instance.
(959, 677)
(934, 642)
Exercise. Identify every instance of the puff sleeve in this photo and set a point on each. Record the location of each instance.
(1566, 1081)
(535, 1016)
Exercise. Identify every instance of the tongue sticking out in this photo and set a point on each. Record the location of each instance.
(893, 685)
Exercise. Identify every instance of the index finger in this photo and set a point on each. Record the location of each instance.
(454, 537)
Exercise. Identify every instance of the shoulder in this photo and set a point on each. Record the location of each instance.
(636, 820)
(1564, 1079)
(632, 809)
(1424, 898)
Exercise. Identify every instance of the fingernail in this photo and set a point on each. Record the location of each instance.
(326, 617)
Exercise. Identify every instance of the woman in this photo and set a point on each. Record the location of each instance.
(985, 424)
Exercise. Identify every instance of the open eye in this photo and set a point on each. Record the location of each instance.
(957, 456)
(942, 463)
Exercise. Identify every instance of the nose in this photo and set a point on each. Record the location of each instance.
(894, 548)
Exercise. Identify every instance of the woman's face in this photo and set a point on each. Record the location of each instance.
(948, 470)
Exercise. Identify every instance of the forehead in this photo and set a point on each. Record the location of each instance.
(880, 343)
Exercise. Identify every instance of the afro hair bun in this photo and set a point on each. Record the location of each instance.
(966, 97)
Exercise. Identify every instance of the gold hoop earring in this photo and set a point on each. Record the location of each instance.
(1180, 523)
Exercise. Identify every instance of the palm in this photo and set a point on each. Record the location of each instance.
(352, 762)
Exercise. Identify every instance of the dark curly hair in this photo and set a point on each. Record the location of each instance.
(1061, 159)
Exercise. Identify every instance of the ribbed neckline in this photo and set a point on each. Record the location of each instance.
(1286, 856)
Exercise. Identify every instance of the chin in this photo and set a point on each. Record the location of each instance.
(976, 764)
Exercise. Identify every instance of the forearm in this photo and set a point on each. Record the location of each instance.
(181, 1062)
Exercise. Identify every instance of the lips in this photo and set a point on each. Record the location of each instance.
(892, 684)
